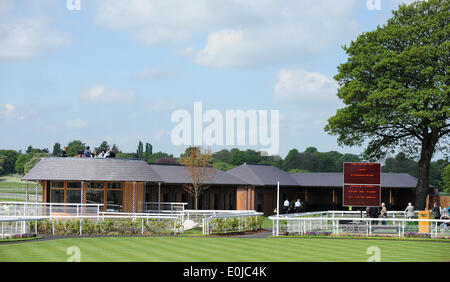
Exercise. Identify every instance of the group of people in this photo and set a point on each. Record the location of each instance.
(437, 212)
(110, 153)
(295, 207)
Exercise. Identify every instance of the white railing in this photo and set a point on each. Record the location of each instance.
(231, 221)
(15, 227)
(19, 196)
(360, 226)
(198, 215)
(164, 207)
(24, 209)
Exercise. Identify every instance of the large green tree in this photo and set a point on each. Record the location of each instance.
(395, 86)
(74, 148)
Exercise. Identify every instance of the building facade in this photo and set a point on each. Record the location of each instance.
(130, 185)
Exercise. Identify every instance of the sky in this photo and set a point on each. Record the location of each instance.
(116, 70)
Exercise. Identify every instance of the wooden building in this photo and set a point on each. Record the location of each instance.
(127, 185)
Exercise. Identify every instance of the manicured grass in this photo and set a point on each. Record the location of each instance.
(13, 181)
(183, 249)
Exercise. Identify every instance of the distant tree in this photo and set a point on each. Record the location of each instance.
(9, 160)
(21, 161)
(401, 164)
(126, 156)
(346, 158)
(436, 170)
(29, 149)
(56, 149)
(75, 148)
(223, 166)
(222, 156)
(446, 179)
(148, 149)
(2, 163)
(289, 160)
(199, 165)
(140, 150)
(296, 170)
(34, 160)
(395, 86)
(154, 157)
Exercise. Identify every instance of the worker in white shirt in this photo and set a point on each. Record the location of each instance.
(298, 206)
(286, 206)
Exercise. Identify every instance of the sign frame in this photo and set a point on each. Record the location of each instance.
(344, 204)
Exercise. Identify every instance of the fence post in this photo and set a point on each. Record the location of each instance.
(2, 230)
(53, 227)
(142, 229)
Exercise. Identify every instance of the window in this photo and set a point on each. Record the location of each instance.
(57, 196)
(114, 201)
(73, 196)
(94, 197)
(95, 185)
(73, 184)
(115, 185)
(57, 184)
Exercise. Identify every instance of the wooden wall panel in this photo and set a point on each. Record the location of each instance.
(128, 197)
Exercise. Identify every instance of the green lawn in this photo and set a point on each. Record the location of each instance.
(183, 249)
(13, 181)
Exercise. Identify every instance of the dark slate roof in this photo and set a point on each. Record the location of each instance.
(262, 175)
(92, 169)
(332, 179)
(178, 174)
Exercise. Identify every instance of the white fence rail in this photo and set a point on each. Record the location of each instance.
(19, 196)
(231, 222)
(321, 225)
(25, 209)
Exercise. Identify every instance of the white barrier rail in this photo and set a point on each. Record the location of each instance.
(361, 226)
(24, 209)
(138, 221)
(233, 221)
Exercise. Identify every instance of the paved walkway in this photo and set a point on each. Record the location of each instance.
(265, 234)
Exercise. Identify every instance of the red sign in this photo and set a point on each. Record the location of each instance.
(362, 173)
(362, 195)
(362, 185)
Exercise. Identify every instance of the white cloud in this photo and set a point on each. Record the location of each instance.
(300, 85)
(76, 124)
(6, 110)
(102, 94)
(22, 38)
(239, 32)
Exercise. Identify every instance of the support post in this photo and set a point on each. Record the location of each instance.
(278, 208)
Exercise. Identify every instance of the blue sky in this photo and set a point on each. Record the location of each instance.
(116, 70)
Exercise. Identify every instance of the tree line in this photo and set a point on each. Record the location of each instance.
(310, 160)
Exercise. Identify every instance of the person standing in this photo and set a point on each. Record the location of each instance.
(87, 152)
(110, 153)
(64, 153)
(286, 206)
(410, 213)
(436, 211)
(383, 213)
(298, 206)
(374, 212)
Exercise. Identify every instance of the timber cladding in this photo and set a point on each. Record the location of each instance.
(128, 197)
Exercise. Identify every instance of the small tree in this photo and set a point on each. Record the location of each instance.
(199, 165)
(56, 149)
(140, 150)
